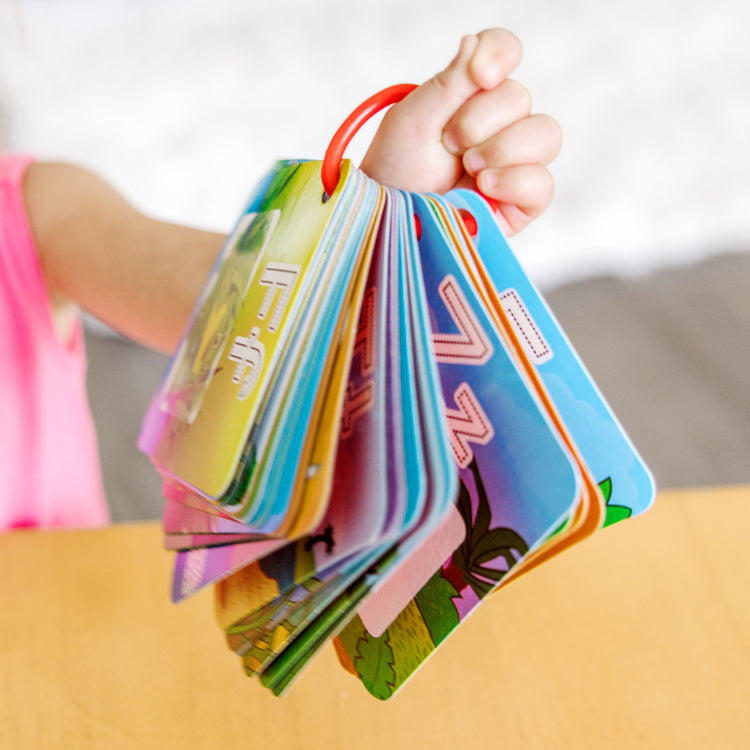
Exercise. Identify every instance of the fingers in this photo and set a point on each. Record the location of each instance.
(486, 113)
(504, 149)
(523, 191)
(536, 139)
(429, 107)
(483, 61)
(471, 126)
(497, 54)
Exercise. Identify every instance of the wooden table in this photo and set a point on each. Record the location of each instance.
(637, 638)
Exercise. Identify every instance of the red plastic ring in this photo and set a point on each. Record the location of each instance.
(335, 152)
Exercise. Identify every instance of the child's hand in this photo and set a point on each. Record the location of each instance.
(470, 126)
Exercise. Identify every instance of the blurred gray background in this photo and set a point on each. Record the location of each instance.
(643, 254)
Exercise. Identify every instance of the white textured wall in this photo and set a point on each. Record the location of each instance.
(184, 103)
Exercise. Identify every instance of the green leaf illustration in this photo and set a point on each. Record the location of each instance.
(374, 664)
(435, 605)
(614, 513)
(606, 487)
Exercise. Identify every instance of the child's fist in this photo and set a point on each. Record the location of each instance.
(471, 126)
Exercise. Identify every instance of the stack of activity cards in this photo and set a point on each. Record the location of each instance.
(373, 422)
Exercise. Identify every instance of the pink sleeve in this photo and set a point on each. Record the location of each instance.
(18, 254)
(49, 461)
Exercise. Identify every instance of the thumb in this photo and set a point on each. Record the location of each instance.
(483, 62)
(431, 105)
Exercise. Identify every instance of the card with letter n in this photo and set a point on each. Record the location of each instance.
(372, 422)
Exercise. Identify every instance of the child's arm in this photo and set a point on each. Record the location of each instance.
(142, 276)
(139, 275)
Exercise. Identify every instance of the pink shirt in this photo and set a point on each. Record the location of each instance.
(49, 463)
